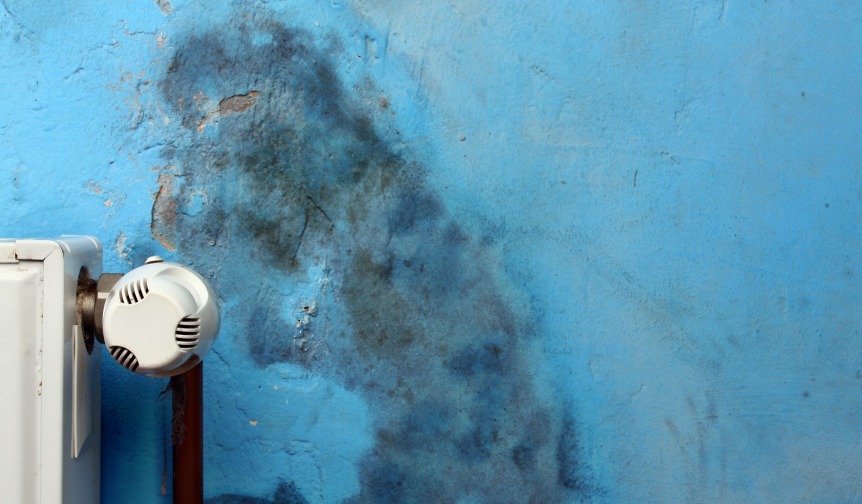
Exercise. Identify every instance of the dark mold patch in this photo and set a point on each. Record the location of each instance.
(422, 320)
(571, 473)
(286, 493)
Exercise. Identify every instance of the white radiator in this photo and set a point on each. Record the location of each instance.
(50, 418)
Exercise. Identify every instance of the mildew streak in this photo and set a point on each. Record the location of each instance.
(431, 333)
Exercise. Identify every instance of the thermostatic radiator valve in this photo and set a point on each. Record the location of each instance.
(159, 319)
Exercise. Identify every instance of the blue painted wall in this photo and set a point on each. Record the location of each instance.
(469, 252)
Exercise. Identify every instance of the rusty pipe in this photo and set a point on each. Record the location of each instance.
(188, 444)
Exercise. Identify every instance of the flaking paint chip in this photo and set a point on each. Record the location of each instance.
(235, 104)
(252, 422)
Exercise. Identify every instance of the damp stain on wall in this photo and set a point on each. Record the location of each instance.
(420, 318)
(285, 493)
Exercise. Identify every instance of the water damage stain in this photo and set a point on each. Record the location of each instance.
(424, 323)
(286, 493)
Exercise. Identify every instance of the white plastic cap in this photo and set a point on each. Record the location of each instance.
(160, 319)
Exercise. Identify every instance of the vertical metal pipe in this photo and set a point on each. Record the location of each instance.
(188, 436)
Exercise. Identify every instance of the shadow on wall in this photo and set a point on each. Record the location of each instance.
(424, 324)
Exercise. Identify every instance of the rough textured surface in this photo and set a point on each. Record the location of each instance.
(306, 182)
(469, 252)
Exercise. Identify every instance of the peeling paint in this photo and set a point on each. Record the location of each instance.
(164, 213)
(120, 246)
(235, 104)
(165, 6)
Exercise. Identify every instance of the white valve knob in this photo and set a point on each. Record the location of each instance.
(160, 319)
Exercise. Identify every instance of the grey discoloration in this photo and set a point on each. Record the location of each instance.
(165, 6)
(420, 318)
(164, 213)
